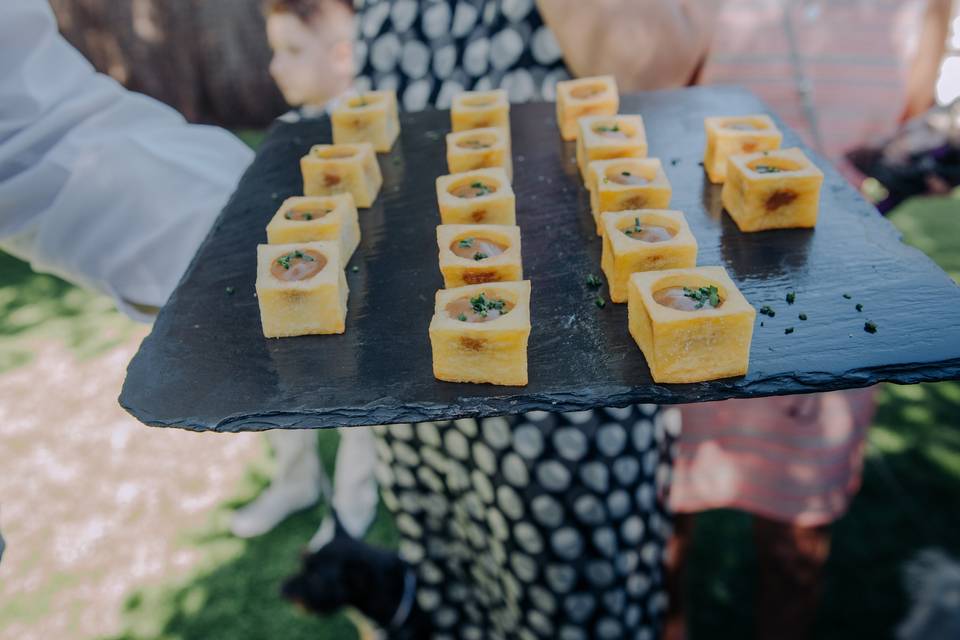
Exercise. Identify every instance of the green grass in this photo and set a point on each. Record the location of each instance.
(36, 307)
(235, 595)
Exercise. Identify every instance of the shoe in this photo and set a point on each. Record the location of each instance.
(272, 507)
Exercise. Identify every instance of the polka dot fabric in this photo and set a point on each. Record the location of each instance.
(430, 50)
(535, 526)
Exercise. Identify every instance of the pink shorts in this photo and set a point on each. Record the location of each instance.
(795, 459)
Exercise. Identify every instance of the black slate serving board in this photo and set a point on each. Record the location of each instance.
(207, 366)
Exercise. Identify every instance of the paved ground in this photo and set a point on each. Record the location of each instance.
(94, 505)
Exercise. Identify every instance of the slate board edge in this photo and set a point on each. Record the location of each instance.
(557, 402)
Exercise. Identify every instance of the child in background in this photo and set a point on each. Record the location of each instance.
(312, 42)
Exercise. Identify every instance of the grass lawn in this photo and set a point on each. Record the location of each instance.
(908, 501)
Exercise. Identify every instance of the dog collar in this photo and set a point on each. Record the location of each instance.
(406, 601)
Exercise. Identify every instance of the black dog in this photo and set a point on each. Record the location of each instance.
(348, 572)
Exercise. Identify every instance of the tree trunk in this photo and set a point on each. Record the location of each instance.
(206, 58)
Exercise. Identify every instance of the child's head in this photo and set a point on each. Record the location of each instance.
(312, 42)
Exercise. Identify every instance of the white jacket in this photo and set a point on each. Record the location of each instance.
(99, 185)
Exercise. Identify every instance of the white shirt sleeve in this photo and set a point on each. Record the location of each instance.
(101, 186)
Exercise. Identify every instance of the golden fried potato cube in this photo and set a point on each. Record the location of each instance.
(644, 240)
(369, 117)
(690, 344)
(733, 135)
(479, 253)
(480, 110)
(492, 351)
(772, 190)
(310, 218)
(301, 289)
(479, 149)
(343, 168)
(627, 183)
(607, 137)
(483, 196)
(597, 96)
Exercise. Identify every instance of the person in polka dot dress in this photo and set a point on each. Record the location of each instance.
(542, 525)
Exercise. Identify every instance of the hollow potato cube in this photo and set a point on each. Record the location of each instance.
(315, 305)
(343, 168)
(458, 241)
(480, 110)
(483, 196)
(772, 190)
(626, 249)
(597, 96)
(627, 183)
(310, 218)
(690, 346)
(607, 137)
(493, 352)
(369, 117)
(734, 135)
(479, 149)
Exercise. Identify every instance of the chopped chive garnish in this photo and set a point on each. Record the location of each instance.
(767, 311)
(355, 268)
(605, 129)
(230, 291)
(803, 316)
(870, 327)
(284, 260)
(766, 168)
(703, 295)
(791, 297)
(482, 188)
(847, 296)
(481, 305)
(625, 173)
(462, 317)
(479, 255)
(635, 229)
(594, 282)
(600, 302)
(788, 330)
(466, 243)
(859, 307)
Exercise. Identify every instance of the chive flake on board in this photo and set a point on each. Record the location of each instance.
(791, 297)
(870, 327)
(802, 316)
(847, 296)
(788, 330)
(594, 282)
(859, 307)
(230, 291)
(600, 302)
(767, 311)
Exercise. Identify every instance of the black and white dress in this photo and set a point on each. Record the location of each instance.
(429, 50)
(541, 525)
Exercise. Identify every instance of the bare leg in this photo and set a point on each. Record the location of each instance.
(294, 486)
(354, 487)
(678, 549)
(790, 561)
